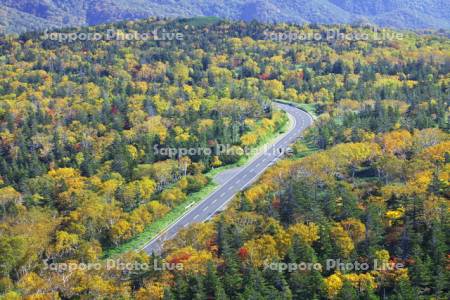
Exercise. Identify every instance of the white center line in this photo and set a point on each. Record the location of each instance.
(196, 216)
(205, 208)
(237, 181)
(223, 194)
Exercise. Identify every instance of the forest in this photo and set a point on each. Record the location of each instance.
(368, 183)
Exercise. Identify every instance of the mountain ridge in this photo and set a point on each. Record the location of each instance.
(27, 15)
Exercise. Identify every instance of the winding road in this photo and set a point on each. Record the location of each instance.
(218, 199)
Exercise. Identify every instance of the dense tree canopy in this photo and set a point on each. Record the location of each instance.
(80, 123)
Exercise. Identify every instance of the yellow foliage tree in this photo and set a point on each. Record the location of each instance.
(32, 283)
(66, 242)
(362, 282)
(157, 209)
(333, 285)
(192, 261)
(262, 250)
(397, 142)
(120, 231)
(151, 291)
(172, 196)
(216, 162)
(355, 228)
(436, 153)
(342, 240)
(249, 139)
(308, 233)
(9, 195)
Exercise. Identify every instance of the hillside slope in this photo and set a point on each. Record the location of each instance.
(391, 13)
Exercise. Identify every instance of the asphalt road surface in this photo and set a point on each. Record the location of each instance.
(217, 200)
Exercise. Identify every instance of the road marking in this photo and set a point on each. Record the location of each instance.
(196, 216)
(214, 201)
(189, 205)
(223, 194)
(237, 181)
(258, 165)
(205, 208)
(230, 188)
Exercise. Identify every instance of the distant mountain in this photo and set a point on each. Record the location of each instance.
(12, 20)
(23, 15)
(415, 14)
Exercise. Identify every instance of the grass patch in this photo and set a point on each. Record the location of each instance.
(304, 148)
(158, 226)
(200, 21)
(310, 108)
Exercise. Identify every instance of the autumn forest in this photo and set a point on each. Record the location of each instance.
(366, 185)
